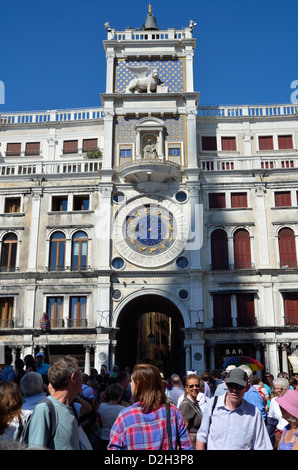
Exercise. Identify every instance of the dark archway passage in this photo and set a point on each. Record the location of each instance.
(130, 351)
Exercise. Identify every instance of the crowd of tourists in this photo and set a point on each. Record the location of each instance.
(59, 407)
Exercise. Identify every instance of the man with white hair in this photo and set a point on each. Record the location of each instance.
(177, 390)
(221, 389)
(32, 390)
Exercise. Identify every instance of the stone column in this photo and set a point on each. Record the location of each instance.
(102, 351)
(110, 71)
(284, 357)
(107, 162)
(195, 224)
(104, 225)
(34, 229)
(262, 227)
(192, 138)
(87, 359)
(189, 71)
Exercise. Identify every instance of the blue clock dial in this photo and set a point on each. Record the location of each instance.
(150, 230)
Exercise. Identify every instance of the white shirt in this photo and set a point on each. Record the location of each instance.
(239, 429)
(108, 414)
(275, 412)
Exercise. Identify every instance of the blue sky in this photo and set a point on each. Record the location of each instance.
(52, 57)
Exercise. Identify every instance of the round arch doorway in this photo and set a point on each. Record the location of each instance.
(150, 330)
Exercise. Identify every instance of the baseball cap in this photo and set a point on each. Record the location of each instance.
(237, 376)
(40, 354)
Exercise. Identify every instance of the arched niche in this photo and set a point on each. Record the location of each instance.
(150, 128)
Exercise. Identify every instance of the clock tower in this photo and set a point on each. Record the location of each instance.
(150, 155)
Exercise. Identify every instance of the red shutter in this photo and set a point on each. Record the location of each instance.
(283, 199)
(219, 250)
(70, 146)
(266, 142)
(245, 310)
(285, 142)
(239, 200)
(242, 256)
(287, 248)
(228, 143)
(13, 150)
(222, 310)
(217, 200)
(32, 148)
(89, 145)
(291, 308)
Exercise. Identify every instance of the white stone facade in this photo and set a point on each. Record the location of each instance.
(52, 197)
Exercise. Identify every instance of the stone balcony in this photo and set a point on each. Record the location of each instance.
(146, 172)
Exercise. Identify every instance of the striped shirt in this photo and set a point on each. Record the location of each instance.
(138, 430)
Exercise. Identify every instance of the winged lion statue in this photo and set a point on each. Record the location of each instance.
(146, 81)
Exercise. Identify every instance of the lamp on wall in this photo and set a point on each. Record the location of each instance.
(200, 322)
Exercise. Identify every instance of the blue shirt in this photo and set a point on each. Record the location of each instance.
(239, 429)
(8, 373)
(254, 397)
(42, 368)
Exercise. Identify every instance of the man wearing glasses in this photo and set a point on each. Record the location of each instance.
(234, 424)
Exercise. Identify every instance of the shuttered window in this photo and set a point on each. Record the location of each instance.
(219, 250)
(238, 200)
(283, 199)
(209, 143)
(285, 142)
(6, 312)
(222, 310)
(291, 308)
(242, 256)
(228, 143)
(89, 145)
(217, 200)
(266, 142)
(32, 148)
(287, 248)
(13, 150)
(245, 310)
(70, 146)
(9, 252)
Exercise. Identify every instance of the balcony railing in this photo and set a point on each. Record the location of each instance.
(247, 110)
(239, 163)
(33, 117)
(68, 323)
(50, 168)
(204, 112)
(288, 264)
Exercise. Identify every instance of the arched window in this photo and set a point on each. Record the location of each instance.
(79, 251)
(9, 252)
(242, 256)
(287, 248)
(219, 250)
(57, 252)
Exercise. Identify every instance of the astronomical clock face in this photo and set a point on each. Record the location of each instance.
(150, 230)
(149, 234)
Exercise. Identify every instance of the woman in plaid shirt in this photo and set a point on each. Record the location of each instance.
(143, 426)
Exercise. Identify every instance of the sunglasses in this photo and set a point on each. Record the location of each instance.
(194, 385)
(237, 386)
